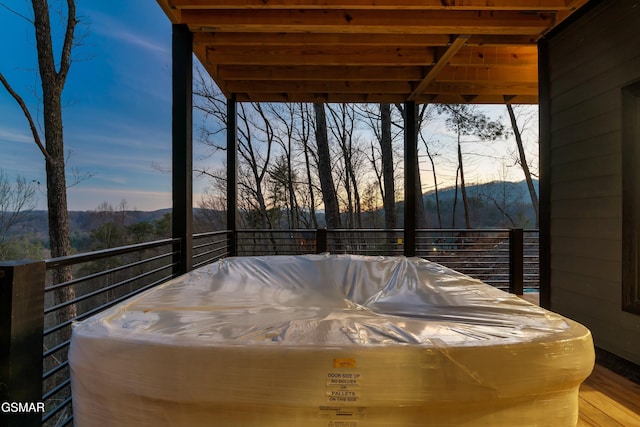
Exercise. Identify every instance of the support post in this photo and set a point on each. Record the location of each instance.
(516, 261)
(182, 134)
(544, 214)
(410, 176)
(232, 174)
(21, 326)
(321, 240)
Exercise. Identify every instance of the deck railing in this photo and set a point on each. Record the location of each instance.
(101, 280)
(34, 316)
(483, 254)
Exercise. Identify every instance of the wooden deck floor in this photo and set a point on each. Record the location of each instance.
(609, 400)
(606, 398)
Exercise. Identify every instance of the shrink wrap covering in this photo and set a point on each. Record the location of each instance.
(327, 341)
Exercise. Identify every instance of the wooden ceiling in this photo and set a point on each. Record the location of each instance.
(445, 51)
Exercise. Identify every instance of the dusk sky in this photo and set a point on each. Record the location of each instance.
(117, 103)
(117, 108)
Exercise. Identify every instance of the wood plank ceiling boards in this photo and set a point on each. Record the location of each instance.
(447, 51)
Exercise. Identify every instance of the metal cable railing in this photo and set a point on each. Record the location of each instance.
(480, 253)
(101, 279)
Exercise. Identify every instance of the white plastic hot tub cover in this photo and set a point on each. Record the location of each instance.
(327, 340)
(329, 299)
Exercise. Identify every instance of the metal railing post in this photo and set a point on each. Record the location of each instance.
(410, 177)
(233, 243)
(321, 240)
(21, 336)
(516, 261)
(182, 145)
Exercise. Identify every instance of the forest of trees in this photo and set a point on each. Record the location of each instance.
(344, 160)
(307, 166)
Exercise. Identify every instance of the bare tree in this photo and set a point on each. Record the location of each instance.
(286, 118)
(522, 160)
(53, 74)
(424, 114)
(257, 161)
(431, 157)
(465, 120)
(304, 136)
(386, 149)
(329, 196)
(255, 142)
(343, 126)
(16, 200)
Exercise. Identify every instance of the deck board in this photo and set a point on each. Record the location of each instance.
(607, 399)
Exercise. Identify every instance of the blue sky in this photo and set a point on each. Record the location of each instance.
(117, 103)
(117, 109)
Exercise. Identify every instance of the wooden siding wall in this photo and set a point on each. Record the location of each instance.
(590, 61)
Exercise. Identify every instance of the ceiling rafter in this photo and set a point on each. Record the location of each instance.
(546, 5)
(442, 61)
(371, 50)
(368, 21)
(342, 39)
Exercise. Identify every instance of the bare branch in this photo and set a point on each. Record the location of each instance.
(65, 60)
(27, 114)
(15, 12)
(79, 177)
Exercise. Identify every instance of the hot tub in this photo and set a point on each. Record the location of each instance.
(327, 341)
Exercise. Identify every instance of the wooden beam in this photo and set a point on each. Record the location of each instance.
(470, 74)
(368, 21)
(319, 39)
(482, 88)
(368, 55)
(300, 55)
(496, 56)
(377, 4)
(324, 73)
(572, 6)
(442, 62)
(477, 99)
(449, 73)
(289, 86)
(382, 98)
(340, 39)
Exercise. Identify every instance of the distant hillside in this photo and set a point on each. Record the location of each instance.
(36, 222)
(492, 205)
(499, 204)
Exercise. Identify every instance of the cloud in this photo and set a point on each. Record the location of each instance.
(12, 135)
(105, 26)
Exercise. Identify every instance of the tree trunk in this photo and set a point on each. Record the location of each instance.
(332, 212)
(435, 182)
(52, 85)
(455, 199)
(463, 188)
(304, 113)
(523, 161)
(421, 212)
(356, 197)
(388, 202)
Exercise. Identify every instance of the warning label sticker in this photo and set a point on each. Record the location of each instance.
(343, 387)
